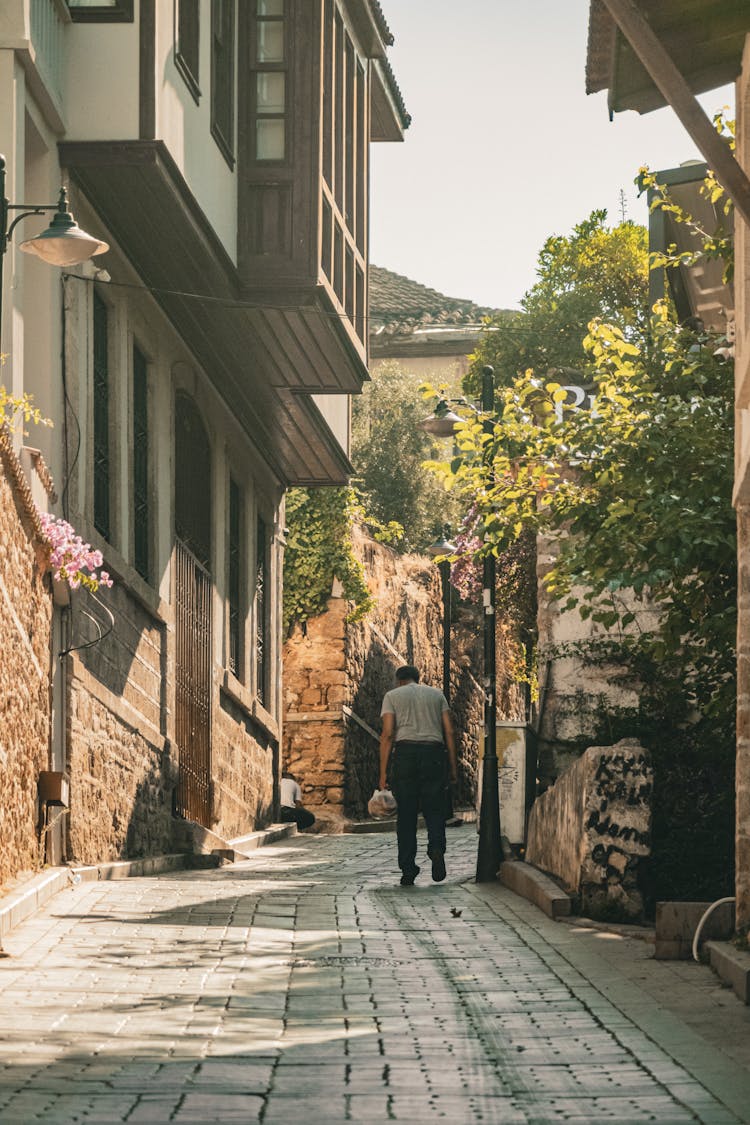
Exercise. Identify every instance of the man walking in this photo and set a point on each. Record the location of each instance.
(417, 731)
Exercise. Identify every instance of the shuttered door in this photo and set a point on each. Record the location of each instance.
(193, 704)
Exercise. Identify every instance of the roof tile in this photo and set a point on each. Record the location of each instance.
(399, 306)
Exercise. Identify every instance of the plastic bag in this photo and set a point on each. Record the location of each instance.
(382, 803)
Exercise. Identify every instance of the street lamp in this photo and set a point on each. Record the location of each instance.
(442, 422)
(441, 547)
(489, 851)
(63, 243)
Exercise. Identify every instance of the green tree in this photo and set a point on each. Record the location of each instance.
(636, 492)
(318, 550)
(596, 271)
(402, 502)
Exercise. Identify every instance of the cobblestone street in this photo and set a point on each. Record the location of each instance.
(304, 984)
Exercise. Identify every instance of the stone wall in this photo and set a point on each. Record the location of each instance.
(742, 784)
(742, 501)
(121, 781)
(592, 828)
(243, 763)
(316, 688)
(122, 758)
(576, 690)
(25, 627)
(121, 764)
(336, 673)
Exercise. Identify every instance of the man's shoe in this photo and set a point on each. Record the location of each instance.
(438, 866)
(407, 879)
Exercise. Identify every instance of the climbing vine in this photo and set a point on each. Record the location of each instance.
(318, 551)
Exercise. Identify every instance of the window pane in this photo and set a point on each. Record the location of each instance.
(269, 139)
(188, 35)
(270, 42)
(261, 611)
(141, 518)
(270, 96)
(270, 7)
(235, 580)
(222, 75)
(101, 418)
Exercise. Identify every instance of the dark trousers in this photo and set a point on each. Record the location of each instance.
(418, 781)
(303, 818)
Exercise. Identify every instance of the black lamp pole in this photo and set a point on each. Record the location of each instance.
(445, 578)
(439, 549)
(489, 852)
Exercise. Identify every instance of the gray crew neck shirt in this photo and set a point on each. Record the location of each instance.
(418, 710)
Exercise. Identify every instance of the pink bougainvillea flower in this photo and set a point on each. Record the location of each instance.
(71, 560)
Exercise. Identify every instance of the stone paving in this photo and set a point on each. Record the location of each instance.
(305, 984)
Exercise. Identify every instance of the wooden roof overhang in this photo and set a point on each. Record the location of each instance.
(651, 53)
(704, 38)
(697, 290)
(389, 117)
(265, 352)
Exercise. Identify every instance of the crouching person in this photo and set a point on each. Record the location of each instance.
(292, 810)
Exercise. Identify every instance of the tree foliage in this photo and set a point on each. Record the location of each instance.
(596, 271)
(19, 407)
(319, 550)
(636, 492)
(402, 503)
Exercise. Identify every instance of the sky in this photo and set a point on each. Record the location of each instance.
(505, 148)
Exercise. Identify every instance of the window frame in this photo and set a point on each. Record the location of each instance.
(122, 11)
(101, 435)
(236, 589)
(262, 597)
(139, 370)
(224, 132)
(344, 167)
(183, 63)
(257, 68)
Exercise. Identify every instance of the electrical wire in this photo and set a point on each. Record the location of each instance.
(223, 302)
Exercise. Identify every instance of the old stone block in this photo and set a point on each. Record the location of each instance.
(593, 825)
(311, 697)
(676, 924)
(733, 966)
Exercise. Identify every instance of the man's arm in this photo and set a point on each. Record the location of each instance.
(450, 742)
(386, 744)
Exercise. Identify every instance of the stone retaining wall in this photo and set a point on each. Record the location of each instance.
(336, 673)
(592, 828)
(25, 705)
(122, 756)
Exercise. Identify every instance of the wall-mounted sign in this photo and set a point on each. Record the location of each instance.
(578, 398)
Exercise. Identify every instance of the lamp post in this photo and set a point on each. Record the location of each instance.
(442, 422)
(442, 546)
(489, 851)
(63, 243)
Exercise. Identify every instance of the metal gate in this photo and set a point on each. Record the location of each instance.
(193, 704)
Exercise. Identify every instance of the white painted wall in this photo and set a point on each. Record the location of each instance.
(336, 409)
(101, 83)
(102, 103)
(185, 128)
